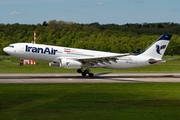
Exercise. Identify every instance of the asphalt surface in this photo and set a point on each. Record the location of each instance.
(98, 78)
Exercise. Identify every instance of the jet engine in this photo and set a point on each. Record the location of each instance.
(69, 63)
(66, 63)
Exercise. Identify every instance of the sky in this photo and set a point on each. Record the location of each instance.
(89, 11)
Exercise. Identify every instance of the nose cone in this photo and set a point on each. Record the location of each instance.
(5, 49)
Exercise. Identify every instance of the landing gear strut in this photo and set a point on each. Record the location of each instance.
(21, 62)
(85, 72)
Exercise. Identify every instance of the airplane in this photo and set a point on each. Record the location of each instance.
(81, 58)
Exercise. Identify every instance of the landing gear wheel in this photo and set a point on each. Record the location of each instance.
(21, 64)
(86, 71)
(79, 70)
(91, 74)
(83, 74)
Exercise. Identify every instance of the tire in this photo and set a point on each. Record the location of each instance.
(86, 71)
(79, 71)
(91, 75)
(21, 64)
(83, 74)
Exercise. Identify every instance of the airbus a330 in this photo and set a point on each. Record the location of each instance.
(83, 59)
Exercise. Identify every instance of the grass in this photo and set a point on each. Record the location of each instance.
(90, 101)
(11, 65)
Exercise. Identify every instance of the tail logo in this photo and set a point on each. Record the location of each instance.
(159, 48)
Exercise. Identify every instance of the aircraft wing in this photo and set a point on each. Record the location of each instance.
(102, 59)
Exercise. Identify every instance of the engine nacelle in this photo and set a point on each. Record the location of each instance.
(69, 63)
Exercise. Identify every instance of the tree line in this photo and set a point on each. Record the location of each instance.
(104, 37)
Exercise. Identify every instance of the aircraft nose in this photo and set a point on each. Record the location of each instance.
(5, 49)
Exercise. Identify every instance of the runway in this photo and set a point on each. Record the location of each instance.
(98, 78)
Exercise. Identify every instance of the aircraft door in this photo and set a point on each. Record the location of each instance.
(21, 48)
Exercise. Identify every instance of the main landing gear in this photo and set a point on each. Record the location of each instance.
(83, 73)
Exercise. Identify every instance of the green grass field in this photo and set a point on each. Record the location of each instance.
(132, 101)
(115, 101)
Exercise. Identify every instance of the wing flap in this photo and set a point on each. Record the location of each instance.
(101, 60)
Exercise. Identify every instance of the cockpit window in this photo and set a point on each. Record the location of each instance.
(11, 46)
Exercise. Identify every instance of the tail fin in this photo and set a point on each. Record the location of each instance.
(157, 49)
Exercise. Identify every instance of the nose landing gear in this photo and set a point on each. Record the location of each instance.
(21, 62)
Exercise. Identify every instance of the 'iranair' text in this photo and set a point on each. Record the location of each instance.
(46, 50)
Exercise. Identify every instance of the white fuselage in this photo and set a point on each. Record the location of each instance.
(54, 53)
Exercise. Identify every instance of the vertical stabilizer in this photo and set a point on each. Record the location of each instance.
(157, 49)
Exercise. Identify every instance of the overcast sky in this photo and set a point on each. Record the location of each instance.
(89, 11)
